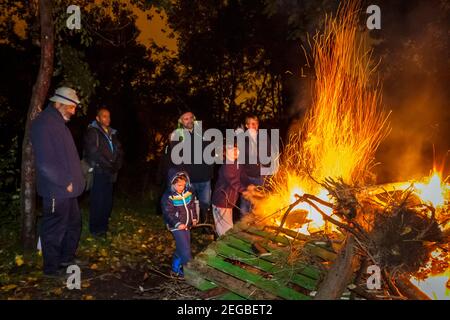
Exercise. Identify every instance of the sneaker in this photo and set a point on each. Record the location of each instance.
(177, 276)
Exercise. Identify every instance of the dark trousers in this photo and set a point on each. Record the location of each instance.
(183, 249)
(60, 232)
(101, 199)
(203, 193)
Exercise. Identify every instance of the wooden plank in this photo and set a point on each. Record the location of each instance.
(196, 279)
(318, 250)
(321, 252)
(279, 273)
(222, 279)
(213, 293)
(238, 244)
(276, 256)
(230, 296)
(270, 286)
(251, 259)
(294, 235)
(268, 235)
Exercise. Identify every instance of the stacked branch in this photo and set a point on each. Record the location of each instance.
(399, 237)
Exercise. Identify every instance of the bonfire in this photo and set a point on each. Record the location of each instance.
(325, 188)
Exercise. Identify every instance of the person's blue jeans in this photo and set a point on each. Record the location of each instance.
(203, 193)
(245, 205)
(183, 250)
(60, 232)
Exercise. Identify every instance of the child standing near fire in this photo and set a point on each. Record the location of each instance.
(231, 181)
(180, 214)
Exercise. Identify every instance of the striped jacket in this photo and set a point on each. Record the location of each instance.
(178, 208)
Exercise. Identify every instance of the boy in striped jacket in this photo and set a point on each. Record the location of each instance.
(179, 212)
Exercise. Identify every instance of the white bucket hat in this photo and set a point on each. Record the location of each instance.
(66, 96)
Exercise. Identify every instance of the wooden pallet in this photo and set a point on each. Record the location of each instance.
(230, 268)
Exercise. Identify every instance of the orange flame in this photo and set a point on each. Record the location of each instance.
(436, 285)
(433, 190)
(344, 125)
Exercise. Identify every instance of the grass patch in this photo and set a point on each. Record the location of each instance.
(137, 243)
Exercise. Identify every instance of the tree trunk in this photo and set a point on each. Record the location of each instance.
(39, 94)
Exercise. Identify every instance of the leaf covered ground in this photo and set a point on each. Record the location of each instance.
(133, 262)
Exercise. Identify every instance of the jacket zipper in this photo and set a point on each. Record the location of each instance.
(187, 212)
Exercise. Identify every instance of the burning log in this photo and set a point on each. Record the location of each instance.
(362, 293)
(398, 237)
(388, 187)
(409, 290)
(288, 210)
(340, 273)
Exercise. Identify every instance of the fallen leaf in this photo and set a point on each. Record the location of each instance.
(57, 291)
(19, 260)
(9, 287)
(93, 266)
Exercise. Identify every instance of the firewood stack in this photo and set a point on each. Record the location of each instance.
(391, 230)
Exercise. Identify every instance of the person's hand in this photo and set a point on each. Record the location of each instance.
(194, 222)
(182, 226)
(70, 188)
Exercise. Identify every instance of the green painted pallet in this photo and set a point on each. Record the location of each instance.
(231, 269)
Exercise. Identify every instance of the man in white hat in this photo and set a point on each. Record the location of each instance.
(59, 181)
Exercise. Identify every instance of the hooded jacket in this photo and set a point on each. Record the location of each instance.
(56, 157)
(178, 208)
(102, 150)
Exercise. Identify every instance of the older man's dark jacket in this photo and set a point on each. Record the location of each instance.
(103, 151)
(56, 157)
